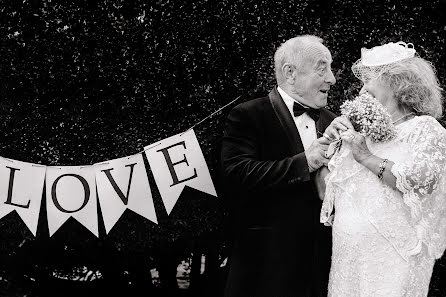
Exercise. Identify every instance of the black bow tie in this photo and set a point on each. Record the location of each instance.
(299, 109)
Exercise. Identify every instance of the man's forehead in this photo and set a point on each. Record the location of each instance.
(318, 53)
(324, 59)
(322, 54)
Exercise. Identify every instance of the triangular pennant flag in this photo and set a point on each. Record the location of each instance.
(71, 192)
(21, 189)
(178, 161)
(123, 183)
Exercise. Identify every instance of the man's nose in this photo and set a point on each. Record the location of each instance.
(330, 78)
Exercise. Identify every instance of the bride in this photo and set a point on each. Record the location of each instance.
(386, 201)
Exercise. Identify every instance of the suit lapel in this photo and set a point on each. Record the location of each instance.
(286, 121)
(323, 122)
(288, 125)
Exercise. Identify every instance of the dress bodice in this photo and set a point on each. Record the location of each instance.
(415, 212)
(385, 240)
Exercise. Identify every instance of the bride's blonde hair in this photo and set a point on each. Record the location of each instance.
(415, 85)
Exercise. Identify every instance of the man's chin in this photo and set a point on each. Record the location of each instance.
(321, 102)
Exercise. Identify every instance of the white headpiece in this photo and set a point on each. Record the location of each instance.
(375, 60)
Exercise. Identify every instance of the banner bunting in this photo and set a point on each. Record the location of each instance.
(121, 184)
(178, 161)
(71, 192)
(21, 190)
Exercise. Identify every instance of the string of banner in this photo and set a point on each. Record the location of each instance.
(121, 184)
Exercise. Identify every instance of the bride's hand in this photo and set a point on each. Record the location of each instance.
(357, 143)
(338, 125)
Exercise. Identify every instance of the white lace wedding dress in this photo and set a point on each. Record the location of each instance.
(385, 241)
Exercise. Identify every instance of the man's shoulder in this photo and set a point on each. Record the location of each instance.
(253, 105)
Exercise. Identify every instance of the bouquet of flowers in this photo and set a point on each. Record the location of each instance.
(369, 117)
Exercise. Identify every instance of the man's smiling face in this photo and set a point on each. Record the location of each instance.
(314, 79)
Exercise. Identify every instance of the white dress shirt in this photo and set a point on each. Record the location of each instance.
(304, 123)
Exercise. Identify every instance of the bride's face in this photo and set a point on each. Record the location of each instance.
(381, 92)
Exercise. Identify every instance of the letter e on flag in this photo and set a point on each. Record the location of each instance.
(178, 161)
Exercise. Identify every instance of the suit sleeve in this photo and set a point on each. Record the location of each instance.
(241, 163)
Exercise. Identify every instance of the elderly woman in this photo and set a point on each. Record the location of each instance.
(389, 197)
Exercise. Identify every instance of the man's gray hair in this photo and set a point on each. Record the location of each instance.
(295, 51)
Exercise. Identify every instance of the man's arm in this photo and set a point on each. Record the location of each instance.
(241, 163)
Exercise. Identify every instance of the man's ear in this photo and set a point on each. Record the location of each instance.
(289, 72)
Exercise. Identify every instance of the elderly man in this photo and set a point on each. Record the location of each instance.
(271, 154)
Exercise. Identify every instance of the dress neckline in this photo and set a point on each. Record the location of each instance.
(407, 121)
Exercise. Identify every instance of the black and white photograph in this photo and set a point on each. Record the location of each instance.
(233, 148)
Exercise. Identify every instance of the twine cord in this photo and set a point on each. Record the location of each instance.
(196, 124)
(212, 114)
(150, 146)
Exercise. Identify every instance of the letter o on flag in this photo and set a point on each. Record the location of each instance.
(86, 192)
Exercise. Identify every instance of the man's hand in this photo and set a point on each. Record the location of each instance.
(338, 125)
(315, 154)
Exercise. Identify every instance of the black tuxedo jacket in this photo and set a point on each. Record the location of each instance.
(274, 205)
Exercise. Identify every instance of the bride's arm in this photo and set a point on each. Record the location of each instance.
(420, 173)
(373, 163)
(379, 166)
(341, 126)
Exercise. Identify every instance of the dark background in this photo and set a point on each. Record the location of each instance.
(88, 81)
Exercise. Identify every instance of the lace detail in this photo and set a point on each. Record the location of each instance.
(385, 240)
(421, 179)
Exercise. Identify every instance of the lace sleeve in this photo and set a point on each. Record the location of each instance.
(331, 191)
(422, 181)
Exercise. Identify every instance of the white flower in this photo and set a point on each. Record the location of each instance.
(369, 117)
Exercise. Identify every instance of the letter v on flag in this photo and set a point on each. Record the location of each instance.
(123, 183)
(21, 190)
(178, 161)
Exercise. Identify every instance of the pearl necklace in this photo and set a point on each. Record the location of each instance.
(404, 116)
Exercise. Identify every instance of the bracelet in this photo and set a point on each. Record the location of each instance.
(382, 167)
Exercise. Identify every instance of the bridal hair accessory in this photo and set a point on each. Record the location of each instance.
(375, 60)
(369, 117)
